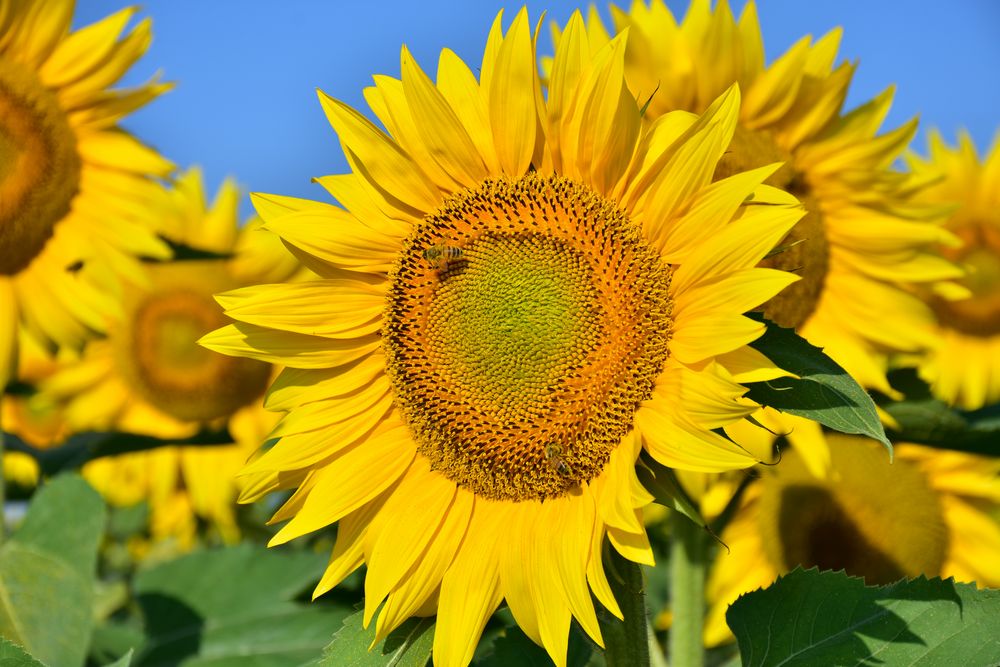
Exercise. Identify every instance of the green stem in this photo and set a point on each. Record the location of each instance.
(626, 642)
(688, 553)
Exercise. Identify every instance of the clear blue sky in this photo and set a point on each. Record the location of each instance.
(247, 70)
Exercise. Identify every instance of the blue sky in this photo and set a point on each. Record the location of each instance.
(247, 70)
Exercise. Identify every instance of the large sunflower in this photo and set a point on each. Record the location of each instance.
(519, 295)
(863, 244)
(927, 513)
(74, 187)
(964, 369)
(149, 376)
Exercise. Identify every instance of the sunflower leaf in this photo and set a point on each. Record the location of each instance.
(823, 391)
(827, 618)
(47, 573)
(662, 482)
(513, 647)
(12, 655)
(233, 607)
(407, 646)
(926, 420)
(124, 661)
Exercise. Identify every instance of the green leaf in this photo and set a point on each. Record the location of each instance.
(823, 391)
(827, 618)
(662, 482)
(234, 607)
(113, 640)
(504, 643)
(123, 661)
(926, 420)
(12, 655)
(47, 573)
(408, 646)
(67, 519)
(513, 647)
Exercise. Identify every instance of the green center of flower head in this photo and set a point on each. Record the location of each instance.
(39, 166)
(526, 322)
(873, 519)
(160, 356)
(805, 250)
(978, 315)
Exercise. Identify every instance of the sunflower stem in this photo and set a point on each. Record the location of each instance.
(688, 553)
(626, 642)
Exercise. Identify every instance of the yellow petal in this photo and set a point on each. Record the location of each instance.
(299, 450)
(633, 546)
(424, 578)
(296, 386)
(348, 551)
(383, 163)
(470, 590)
(285, 348)
(85, 49)
(404, 526)
(119, 150)
(338, 238)
(458, 85)
(443, 133)
(8, 331)
(674, 442)
(710, 211)
(710, 399)
(569, 548)
(513, 116)
(350, 481)
(740, 245)
(357, 196)
(330, 308)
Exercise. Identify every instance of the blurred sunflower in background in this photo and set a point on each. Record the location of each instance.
(864, 244)
(150, 377)
(519, 295)
(75, 189)
(931, 512)
(964, 370)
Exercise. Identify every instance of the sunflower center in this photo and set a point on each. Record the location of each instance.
(874, 519)
(165, 364)
(805, 250)
(526, 322)
(39, 166)
(978, 315)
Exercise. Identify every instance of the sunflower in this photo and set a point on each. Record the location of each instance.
(519, 294)
(964, 370)
(863, 244)
(928, 513)
(74, 187)
(149, 376)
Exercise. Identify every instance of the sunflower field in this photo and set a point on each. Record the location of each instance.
(629, 336)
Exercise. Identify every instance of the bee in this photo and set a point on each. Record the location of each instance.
(553, 455)
(440, 254)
